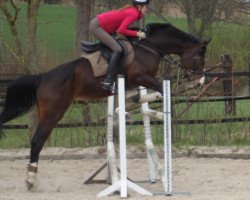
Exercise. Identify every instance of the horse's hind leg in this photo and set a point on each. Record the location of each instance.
(49, 116)
(37, 143)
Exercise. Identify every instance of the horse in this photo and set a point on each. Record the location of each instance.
(53, 91)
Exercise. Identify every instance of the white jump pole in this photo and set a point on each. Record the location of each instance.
(123, 184)
(112, 167)
(167, 137)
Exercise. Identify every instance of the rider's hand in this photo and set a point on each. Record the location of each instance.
(141, 34)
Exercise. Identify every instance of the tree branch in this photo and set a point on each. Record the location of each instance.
(17, 9)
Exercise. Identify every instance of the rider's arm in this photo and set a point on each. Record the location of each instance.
(124, 27)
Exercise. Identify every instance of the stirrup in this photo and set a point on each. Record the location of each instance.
(106, 83)
(108, 86)
(112, 88)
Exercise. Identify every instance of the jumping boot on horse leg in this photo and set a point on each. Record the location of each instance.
(31, 179)
(109, 82)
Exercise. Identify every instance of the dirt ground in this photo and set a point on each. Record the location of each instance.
(63, 171)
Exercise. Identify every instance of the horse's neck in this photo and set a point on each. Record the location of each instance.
(172, 47)
(147, 57)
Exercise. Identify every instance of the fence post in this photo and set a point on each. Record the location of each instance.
(249, 79)
(227, 65)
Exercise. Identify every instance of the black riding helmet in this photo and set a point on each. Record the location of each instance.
(140, 2)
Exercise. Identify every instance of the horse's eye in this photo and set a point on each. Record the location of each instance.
(202, 51)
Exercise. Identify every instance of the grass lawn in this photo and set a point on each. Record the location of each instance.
(192, 134)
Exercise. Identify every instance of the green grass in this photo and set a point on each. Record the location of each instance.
(198, 134)
(56, 44)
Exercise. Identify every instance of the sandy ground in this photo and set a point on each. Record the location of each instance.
(61, 178)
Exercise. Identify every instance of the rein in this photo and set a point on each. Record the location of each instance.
(149, 48)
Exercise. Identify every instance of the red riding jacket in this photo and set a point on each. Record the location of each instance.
(119, 21)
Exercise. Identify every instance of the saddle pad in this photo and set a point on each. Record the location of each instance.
(100, 64)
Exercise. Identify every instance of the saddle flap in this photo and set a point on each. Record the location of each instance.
(90, 47)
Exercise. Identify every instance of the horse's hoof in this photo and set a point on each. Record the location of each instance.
(31, 180)
(29, 184)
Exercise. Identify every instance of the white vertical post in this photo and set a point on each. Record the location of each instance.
(167, 137)
(122, 134)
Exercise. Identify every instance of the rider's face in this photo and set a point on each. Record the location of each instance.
(144, 9)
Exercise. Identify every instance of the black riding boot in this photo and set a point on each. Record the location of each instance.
(109, 82)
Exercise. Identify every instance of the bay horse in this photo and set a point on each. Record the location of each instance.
(54, 91)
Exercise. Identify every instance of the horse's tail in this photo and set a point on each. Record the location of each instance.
(20, 97)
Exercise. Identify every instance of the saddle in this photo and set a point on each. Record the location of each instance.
(99, 55)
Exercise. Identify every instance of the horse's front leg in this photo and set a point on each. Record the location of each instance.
(148, 82)
(37, 143)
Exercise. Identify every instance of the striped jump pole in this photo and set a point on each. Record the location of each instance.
(167, 137)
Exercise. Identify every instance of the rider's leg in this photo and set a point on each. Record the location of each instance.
(109, 82)
(104, 37)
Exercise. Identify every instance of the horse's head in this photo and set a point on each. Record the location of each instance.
(193, 61)
(167, 39)
(193, 58)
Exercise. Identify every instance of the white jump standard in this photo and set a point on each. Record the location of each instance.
(123, 184)
(165, 170)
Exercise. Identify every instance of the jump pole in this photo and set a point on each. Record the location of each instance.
(123, 184)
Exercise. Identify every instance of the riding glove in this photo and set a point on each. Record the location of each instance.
(141, 34)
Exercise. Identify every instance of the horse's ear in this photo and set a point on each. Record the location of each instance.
(206, 42)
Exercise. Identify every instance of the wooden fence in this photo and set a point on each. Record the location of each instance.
(229, 98)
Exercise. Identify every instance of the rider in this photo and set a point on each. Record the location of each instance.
(117, 21)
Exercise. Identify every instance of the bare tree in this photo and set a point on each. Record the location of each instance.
(158, 5)
(234, 11)
(205, 11)
(32, 10)
(30, 62)
(17, 52)
(84, 10)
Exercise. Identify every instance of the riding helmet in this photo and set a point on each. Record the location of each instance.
(140, 2)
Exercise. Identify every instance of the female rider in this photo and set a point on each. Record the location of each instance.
(112, 22)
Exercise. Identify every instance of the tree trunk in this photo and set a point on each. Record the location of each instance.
(190, 9)
(207, 16)
(33, 122)
(83, 18)
(33, 6)
(84, 8)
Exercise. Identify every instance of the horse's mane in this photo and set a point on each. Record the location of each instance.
(171, 30)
